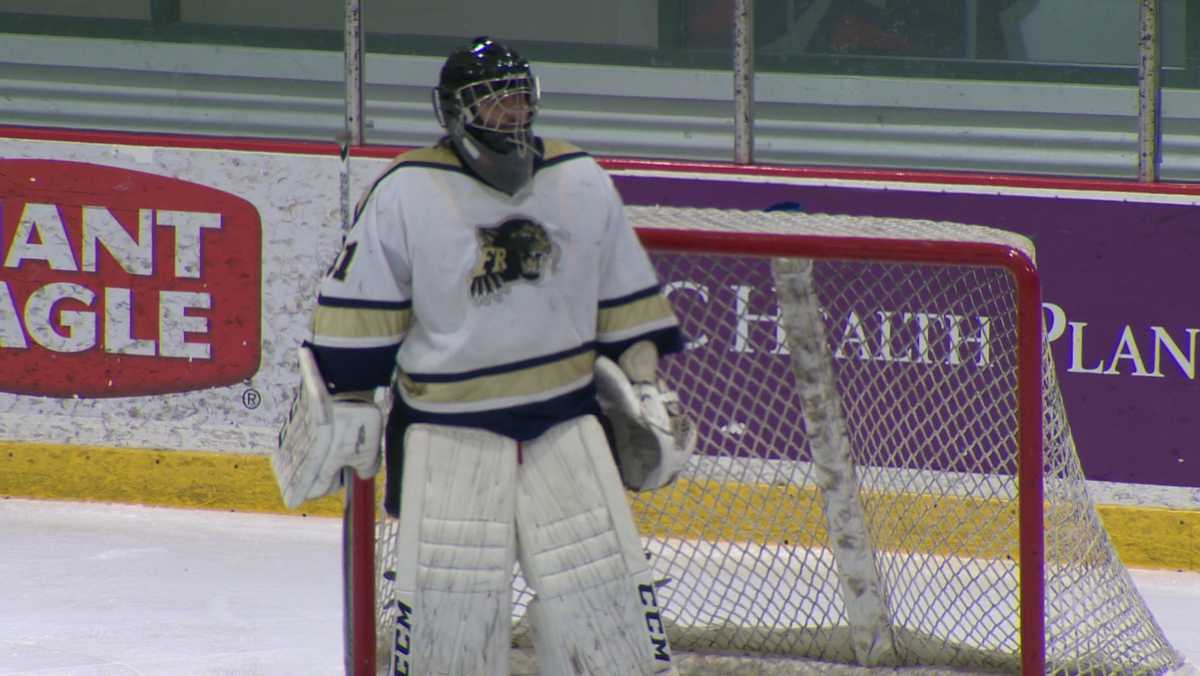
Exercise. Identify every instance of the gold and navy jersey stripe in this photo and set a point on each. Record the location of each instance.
(618, 318)
(520, 399)
(355, 341)
(556, 152)
(642, 315)
(434, 157)
(501, 386)
(353, 322)
(522, 423)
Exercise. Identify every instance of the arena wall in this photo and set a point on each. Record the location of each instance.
(154, 289)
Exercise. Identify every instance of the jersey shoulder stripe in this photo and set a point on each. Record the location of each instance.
(553, 148)
(435, 157)
(443, 157)
(555, 152)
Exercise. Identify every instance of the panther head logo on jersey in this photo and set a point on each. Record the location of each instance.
(517, 249)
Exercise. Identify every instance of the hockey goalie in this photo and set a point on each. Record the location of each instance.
(493, 281)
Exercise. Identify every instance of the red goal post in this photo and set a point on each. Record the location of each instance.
(1017, 262)
(1001, 251)
(885, 477)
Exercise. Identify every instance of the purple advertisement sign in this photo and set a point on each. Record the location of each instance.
(923, 358)
(1120, 307)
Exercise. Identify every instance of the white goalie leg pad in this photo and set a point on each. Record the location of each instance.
(455, 553)
(321, 436)
(595, 610)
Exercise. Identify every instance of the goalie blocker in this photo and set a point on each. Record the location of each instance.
(321, 436)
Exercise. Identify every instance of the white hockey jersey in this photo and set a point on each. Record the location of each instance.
(492, 306)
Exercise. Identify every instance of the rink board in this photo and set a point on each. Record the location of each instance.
(159, 371)
(1147, 537)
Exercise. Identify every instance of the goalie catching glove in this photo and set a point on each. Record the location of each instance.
(322, 435)
(652, 438)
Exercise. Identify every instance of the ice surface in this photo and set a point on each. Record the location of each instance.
(117, 590)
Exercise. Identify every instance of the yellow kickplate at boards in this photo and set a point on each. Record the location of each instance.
(166, 478)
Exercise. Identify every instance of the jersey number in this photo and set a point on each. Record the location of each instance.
(342, 263)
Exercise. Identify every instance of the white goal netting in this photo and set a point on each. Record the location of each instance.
(856, 493)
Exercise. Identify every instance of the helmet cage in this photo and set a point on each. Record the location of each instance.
(498, 111)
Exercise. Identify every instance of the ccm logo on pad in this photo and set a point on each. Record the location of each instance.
(124, 283)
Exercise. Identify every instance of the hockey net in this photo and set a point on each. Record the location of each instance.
(885, 474)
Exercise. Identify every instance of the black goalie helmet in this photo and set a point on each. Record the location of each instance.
(486, 100)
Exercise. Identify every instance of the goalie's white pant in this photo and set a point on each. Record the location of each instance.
(466, 503)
